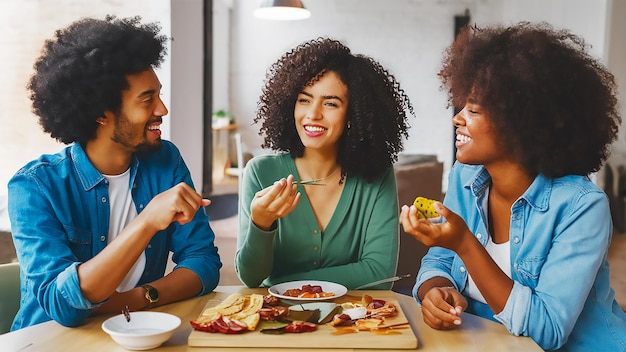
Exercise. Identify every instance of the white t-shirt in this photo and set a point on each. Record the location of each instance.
(122, 212)
(500, 253)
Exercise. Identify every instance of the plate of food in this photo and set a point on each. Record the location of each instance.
(308, 290)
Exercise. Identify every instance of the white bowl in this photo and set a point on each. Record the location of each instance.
(146, 330)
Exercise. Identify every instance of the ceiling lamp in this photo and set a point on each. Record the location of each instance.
(283, 10)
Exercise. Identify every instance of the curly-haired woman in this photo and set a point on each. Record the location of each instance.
(527, 233)
(338, 119)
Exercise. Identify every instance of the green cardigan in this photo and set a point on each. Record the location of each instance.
(359, 245)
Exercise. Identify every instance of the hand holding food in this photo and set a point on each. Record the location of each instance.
(448, 230)
(274, 202)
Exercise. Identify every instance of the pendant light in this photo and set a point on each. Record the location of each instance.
(282, 10)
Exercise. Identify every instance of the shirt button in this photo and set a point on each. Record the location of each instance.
(104, 199)
(462, 269)
(479, 236)
(149, 246)
(315, 232)
(516, 240)
(314, 263)
(518, 216)
(140, 206)
(315, 248)
(102, 238)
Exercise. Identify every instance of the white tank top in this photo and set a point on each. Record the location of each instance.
(501, 254)
(122, 212)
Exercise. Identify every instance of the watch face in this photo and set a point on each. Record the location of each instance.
(154, 294)
(151, 294)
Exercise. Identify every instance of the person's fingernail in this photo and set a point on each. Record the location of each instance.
(457, 322)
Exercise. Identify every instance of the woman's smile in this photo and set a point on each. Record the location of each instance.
(462, 139)
(314, 130)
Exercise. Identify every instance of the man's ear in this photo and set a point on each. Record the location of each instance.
(104, 120)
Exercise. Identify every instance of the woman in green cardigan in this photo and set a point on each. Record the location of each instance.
(337, 120)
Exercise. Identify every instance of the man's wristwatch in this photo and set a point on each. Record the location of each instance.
(152, 295)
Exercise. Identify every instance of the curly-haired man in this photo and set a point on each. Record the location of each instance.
(93, 224)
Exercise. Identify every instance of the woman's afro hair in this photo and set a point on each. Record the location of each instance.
(554, 105)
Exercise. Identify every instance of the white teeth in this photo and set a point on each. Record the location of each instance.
(154, 128)
(462, 139)
(314, 128)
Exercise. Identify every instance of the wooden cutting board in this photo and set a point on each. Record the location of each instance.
(326, 336)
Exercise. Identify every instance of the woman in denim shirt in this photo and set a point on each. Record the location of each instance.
(94, 224)
(526, 235)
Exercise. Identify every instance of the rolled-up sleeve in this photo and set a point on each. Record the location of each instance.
(436, 263)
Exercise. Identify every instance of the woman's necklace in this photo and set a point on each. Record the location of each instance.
(318, 180)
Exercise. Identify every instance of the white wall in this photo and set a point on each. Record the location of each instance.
(187, 112)
(617, 64)
(406, 36)
(221, 48)
(187, 107)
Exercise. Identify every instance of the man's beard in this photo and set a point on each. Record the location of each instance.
(145, 148)
(120, 136)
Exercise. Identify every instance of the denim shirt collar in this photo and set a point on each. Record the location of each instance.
(89, 176)
(537, 195)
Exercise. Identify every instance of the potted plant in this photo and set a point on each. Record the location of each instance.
(222, 118)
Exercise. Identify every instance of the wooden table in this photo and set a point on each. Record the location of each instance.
(476, 334)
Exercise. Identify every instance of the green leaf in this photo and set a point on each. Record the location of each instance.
(272, 327)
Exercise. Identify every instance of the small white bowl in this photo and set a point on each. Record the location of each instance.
(146, 330)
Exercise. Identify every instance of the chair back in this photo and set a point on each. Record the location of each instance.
(9, 294)
(419, 177)
(238, 170)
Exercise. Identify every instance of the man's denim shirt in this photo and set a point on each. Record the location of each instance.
(559, 236)
(59, 212)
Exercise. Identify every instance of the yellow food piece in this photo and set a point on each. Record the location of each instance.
(425, 208)
(231, 305)
(244, 308)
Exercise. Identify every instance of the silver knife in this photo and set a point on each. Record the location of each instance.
(383, 281)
